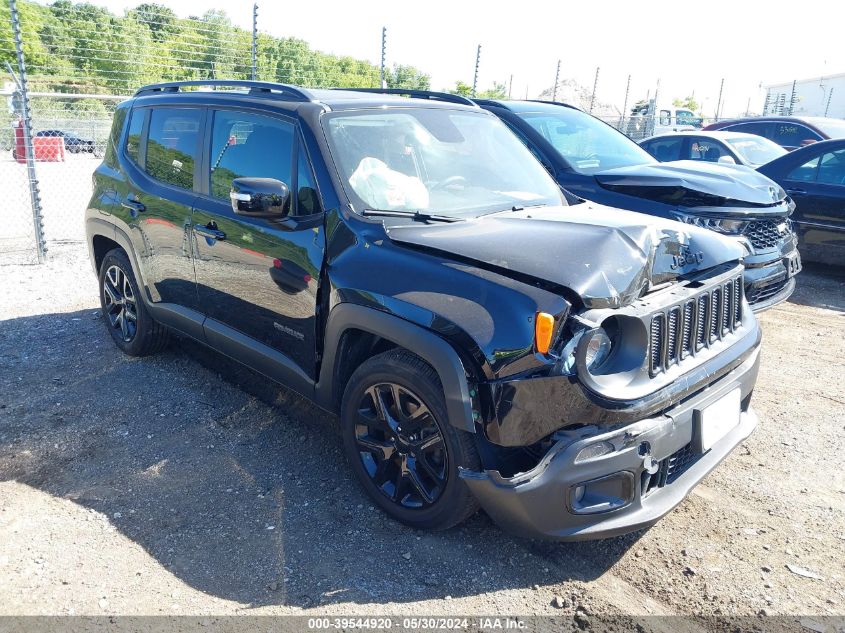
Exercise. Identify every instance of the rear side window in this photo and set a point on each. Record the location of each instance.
(114, 137)
(832, 168)
(760, 128)
(245, 145)
(172, 145)
(793, 134)
(133, 137)
(665, 149)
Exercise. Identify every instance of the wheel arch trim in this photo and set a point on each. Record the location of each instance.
(424, 343)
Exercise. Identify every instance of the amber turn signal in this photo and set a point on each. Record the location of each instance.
(543, 327)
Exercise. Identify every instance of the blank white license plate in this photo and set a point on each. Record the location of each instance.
(719, 418)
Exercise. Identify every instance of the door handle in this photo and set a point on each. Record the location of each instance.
(792, 192)
(207, 231)
(135, 206)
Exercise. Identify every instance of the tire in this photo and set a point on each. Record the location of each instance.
(411, 473)
(131, 327)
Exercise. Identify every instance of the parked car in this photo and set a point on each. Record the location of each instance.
(732, 148)
(790, 132)
(575, 371)
(815, 178)
(596, 162)
(73, 143)
(647, 119)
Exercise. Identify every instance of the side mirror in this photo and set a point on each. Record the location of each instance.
(727, 160)
(260, 198)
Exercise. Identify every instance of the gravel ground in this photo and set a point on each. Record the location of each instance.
(185, 484)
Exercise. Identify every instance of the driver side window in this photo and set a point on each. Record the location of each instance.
(246, 145)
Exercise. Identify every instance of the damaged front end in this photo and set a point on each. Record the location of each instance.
(606, 442)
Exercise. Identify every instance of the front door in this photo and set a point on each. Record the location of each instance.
(161, 150)
(257, 276)
(818, 188)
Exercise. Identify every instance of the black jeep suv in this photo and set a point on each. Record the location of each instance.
(408, 265)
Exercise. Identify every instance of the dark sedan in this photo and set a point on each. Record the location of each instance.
(74, 144)
(814, 176)
(790, 132)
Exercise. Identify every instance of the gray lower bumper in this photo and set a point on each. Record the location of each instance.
(538, 503)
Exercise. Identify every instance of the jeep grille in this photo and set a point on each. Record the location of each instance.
(681, 330)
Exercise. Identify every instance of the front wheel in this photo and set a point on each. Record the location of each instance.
(399, 442)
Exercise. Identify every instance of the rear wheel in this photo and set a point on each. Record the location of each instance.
(400, 444)
(131, 327)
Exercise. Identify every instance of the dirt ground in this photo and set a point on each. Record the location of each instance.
(184, 484)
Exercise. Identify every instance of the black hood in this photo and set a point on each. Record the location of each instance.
(607, 256)
(691, 184)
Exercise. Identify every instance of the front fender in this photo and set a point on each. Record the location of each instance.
(424, 343)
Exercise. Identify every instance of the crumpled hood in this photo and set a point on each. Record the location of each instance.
(688, 183)
(607, 256)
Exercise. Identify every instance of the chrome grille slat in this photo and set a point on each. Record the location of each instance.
(686, 332)
(715, 313)
(672, 337)
(679, 331)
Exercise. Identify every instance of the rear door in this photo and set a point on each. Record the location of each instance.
(160, 161)
(258, 278)
(818, 188)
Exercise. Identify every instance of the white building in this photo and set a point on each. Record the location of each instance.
(819, 96)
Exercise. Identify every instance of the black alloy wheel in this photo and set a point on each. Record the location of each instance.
(401, 446)
(119, 303)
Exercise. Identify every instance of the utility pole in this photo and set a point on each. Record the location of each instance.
(719, 102)
(475, 76)
(557, 79)
(510, 86)
(625, 104)
(383, 55)
(254, 41)
(595, 83)
(829, 95)
(26, 124)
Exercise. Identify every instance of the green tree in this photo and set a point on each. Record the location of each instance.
(689, 103)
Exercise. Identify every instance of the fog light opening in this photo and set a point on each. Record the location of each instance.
(603, 494)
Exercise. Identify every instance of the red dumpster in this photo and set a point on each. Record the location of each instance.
(45, 148)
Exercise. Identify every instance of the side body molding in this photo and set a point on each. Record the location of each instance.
(425, 344)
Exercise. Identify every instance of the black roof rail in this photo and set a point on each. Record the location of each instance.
(417, 94)
(292, 93)
(557, 103)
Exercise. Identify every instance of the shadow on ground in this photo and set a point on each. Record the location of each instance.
(233, 485)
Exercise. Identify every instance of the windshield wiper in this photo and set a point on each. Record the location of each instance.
(418, 216)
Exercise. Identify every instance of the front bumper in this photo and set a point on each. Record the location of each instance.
(770, 276)
(538, 503)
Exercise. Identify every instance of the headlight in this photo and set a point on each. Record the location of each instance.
(720, 225)
(598, 349)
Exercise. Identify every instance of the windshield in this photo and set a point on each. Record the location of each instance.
(448, 162)
(587, 144)
(755, 150)
(834, 128)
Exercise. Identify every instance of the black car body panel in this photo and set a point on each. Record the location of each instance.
(635, 257)
(306, 299)
(680, 190)
(819, 196)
